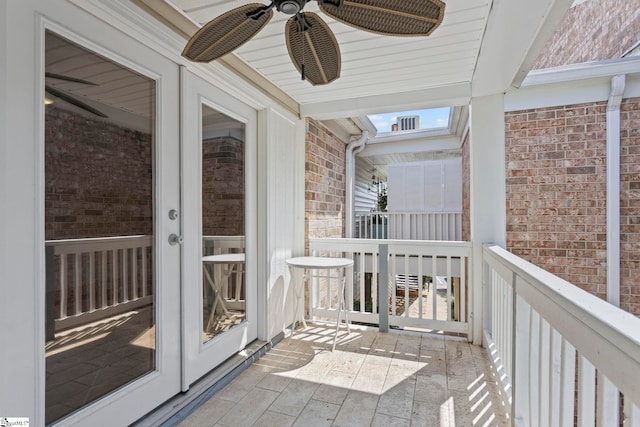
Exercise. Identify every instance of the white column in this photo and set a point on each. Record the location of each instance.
(487, 192)
(613, 189)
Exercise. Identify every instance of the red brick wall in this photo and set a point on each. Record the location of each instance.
(556, 191)
(98, 178)
(324, 182)
(630, 205)
(223, 187)
(593, 30)
(466, 189)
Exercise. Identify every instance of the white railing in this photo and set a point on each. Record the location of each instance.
(565, 357)
(409, 225)
(91, 279)
(425, 284)
(231, 285)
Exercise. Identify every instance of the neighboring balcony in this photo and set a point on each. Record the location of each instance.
(408, 225)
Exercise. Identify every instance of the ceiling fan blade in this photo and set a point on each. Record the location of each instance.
(69, 79)
(71, 100)
(227, 32)
(314, 52)
(388, 17)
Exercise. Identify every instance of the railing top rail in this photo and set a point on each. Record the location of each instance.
(224, 238)
(603, 333)
(427, 247)
(97, 240)
(405, 212)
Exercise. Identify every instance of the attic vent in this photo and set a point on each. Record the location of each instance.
(408, 122)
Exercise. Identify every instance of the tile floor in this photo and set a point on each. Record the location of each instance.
(90, 361)
(371, 379)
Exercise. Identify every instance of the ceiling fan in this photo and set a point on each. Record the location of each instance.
(68, 98)
(312, 47)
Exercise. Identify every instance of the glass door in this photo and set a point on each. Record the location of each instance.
(113, 270)
(220, 306)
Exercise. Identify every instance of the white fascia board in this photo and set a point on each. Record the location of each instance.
(551, 95)
(412, 146)
(574, 84)
(445, 96)
(584, 71)
(516, 32)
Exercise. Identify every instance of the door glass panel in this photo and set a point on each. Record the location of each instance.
(223, 223)
(99, 226)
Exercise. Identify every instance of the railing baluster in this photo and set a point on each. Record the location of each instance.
(534, 368)
(114, 278)
(463, 289)
(545, 369)
(92, 281)
(567, 384)
(586, 392)
(63, 286)
(103, 284)
(125, 275)
(374, 282)
(449, 295)
(77, 282)
(608, 403)
(134, 273)
(361, 281)
(555, 367)
(392, 284)
(144, 272)
(406, 285)
(434, 286)
(420, 259)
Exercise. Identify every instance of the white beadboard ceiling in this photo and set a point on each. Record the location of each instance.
(482, 47)
(371, 64)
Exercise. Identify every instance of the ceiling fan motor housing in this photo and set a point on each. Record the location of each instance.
(290, 7)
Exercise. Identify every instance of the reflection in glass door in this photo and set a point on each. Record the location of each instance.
(223, 223)
(99, 226)
(219, 163)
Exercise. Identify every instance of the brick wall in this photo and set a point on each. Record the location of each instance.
(324, 182)
(593, 30)
(98, 178)
(466, 189)
(556, 191)
(630, 205)
(223, 187)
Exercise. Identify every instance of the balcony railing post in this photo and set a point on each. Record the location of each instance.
(50, 292)
(383, 286)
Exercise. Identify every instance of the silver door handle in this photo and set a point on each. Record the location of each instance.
(175, 240)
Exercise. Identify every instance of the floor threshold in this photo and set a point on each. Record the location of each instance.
(176, 409)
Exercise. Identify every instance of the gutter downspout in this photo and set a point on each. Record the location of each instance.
(613, 189)
(354, 147)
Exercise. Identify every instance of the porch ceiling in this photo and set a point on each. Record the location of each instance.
(482, 47)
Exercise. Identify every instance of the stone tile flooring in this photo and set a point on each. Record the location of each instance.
(371, 379)
(90, 361)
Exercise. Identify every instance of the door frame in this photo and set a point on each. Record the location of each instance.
(152, 389)
(199, 358)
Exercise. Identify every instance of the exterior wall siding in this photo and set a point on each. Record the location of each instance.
(466, 189)
(556, 194)
(592, 31)
(324, 183)
(630, 205)
(556, 191)
(95, 188)
(223, 187)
